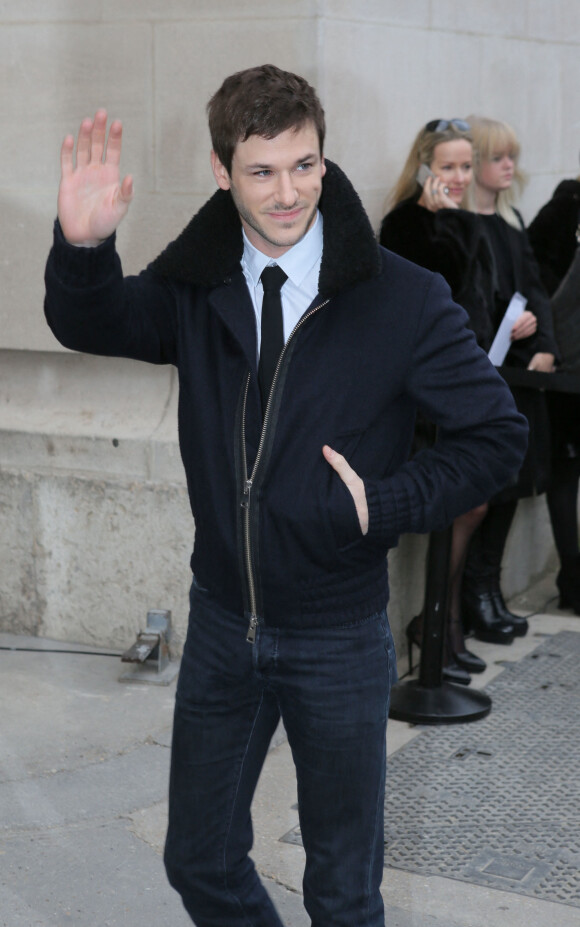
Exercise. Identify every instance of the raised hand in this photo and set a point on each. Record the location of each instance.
(92, 200)
(434, 196)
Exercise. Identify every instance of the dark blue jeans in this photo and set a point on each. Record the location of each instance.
(331, 686)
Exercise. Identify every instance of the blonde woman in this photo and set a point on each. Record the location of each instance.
(428, 224)
(497, 178)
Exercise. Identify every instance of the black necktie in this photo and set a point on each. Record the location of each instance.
(272, 330)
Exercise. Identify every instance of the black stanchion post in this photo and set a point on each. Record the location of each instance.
(430, 700)
(435, 608)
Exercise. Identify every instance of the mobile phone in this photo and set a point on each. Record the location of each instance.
(423, 173)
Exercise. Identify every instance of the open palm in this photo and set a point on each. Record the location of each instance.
(92, 200)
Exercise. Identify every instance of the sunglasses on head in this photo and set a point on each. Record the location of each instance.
(439, 125)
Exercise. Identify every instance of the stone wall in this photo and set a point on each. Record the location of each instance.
(94, 523)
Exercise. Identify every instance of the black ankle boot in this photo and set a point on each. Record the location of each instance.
(480, 616)
(520, 624)
(568, 582)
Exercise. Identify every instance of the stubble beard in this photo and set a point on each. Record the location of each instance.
(252, 221)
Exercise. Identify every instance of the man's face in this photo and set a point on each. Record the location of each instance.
(275, 184)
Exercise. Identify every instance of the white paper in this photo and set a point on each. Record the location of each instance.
(501, 342)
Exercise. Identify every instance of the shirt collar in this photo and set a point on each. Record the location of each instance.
(296, 263)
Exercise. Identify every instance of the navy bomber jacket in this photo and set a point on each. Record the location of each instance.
(277, 534)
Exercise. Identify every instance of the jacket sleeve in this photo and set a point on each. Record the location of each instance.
(538, 301)
(91, 307)
(552, 234)
(481, 437)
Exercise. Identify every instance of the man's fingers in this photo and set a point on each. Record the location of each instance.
(84, 142)
(339, 463)
(98, 135)
(352, 481)
(66, 155)
(114, 143)
(126, 189)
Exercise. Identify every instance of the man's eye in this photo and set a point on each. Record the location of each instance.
(264, 173)
(305, 167)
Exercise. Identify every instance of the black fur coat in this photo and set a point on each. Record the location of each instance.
(452, 243)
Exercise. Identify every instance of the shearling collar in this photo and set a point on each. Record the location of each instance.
(210, 247)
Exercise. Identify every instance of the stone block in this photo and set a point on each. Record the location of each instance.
(57, 74)
(107, 552)
(20, 605)
(385, 83)
(203, 10)
(41, 11)
(393, 12)
(556, 21)
(25, 239)
(191, 61)
(522, 88)
(494, 17)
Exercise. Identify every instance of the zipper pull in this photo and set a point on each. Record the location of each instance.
(245, 503)
(251, 635)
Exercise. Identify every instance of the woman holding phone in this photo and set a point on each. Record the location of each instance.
(428, 224)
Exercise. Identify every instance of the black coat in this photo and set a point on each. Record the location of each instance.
(277, 532)
(449, 242)
(553, 238)
(552, 234)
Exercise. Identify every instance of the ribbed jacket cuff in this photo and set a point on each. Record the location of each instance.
(82, 267)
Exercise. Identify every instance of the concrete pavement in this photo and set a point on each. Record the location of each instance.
(83, 780)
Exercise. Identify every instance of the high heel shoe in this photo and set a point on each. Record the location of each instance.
(469, 661)
(480, 616)
(568, 583)
(459, 654)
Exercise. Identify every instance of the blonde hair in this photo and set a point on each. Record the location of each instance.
(493, 137)
(422, 152)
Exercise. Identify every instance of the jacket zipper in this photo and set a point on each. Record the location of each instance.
(248, 482)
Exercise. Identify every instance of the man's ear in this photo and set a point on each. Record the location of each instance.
(322, 167)
(219, 172)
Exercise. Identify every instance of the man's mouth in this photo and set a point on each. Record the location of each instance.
(285, 215)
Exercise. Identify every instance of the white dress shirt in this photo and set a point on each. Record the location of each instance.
(302, 265)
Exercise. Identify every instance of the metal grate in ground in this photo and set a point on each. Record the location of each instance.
(497, 802)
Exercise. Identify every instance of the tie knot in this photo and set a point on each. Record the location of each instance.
(273, 279)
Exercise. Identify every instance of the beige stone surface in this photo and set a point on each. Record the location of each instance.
(557, 21)
(497, 17)
(183, 87)
(85, 559)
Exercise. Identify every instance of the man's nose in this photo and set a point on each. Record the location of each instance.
(286, 192)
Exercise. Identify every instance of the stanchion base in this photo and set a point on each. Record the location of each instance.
(448, 703)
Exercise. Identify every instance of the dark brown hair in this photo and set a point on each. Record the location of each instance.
(262, 101)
